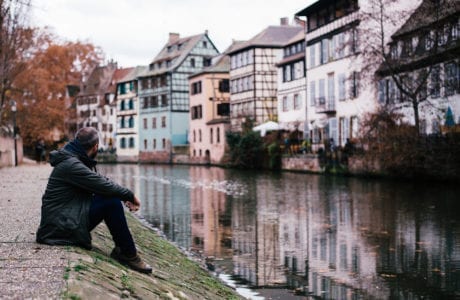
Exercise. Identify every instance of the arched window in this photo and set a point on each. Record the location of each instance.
(122, 123)
(131, 142)
(211, 133)
(218, 135)
(131, 122)
(122, 105)
(123, 143)
(131, 104)
(145, 144)
(194, 136)
(199, 136)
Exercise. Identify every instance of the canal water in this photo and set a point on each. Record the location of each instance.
(293, 236)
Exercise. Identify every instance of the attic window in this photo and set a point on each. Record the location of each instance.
(179, 46)
(151, 67)
(169, 49)
(205, 44)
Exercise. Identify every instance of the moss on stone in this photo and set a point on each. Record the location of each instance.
(93, 274)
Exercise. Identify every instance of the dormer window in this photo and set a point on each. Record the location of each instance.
(152, 67)
(179, 46)
(169, 49)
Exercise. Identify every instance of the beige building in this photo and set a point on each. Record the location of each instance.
(209, 111)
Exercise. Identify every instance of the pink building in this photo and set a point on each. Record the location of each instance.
(209, 111)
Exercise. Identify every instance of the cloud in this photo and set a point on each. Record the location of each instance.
(132, 32)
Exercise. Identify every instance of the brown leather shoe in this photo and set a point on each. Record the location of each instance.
(134, 262)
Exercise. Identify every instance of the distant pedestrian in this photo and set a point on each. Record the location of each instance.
(40, 151)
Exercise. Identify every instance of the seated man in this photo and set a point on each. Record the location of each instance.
(77, 199)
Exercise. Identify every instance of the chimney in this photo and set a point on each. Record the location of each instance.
(173, 37)
(284, 21)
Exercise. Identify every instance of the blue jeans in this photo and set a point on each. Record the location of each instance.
(110, 210)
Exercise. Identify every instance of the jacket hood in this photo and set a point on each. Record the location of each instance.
(57, 156)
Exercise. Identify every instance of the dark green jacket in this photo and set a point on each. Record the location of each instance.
(67, 199)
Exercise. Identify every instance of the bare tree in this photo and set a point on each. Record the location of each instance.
(402, 58)
(15, 40)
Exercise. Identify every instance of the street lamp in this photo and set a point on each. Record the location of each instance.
(13, 110)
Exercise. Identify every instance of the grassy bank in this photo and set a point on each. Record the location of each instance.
(94, 275)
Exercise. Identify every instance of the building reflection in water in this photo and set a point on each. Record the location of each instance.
(334, 238)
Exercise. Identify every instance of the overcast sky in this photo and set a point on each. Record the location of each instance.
(132, 32)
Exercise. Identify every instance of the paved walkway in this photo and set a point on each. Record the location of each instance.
(27, 269)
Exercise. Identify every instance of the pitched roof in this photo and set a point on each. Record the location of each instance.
(132, 74)
(425, 15)
(220, 63)
(117, 75)
(175, 51)
(272, 36)
(99, 80)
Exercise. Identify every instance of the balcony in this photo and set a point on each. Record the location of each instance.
(325, 106)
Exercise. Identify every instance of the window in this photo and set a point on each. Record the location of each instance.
(131, 122)
(163, 122)
(145, 144)
(164, 100)
(285, 103)
(199, 135)
(342, 80)
(218, 135)
(192, 62)
(206, 62)
(123, 143)
(122, 122)
(196, 112)
(131, 104)
(145, 123)
(324, 51)
(296, 102)
(224, 86)
(312, 55)
(131, 142)
(205, 44)
(354, 87)
(196, 88)
(322, 92)
(452, 79)
(211, 133)
(435, 82)
(122, 105)
(154, 123)
(287, 73)
(154, 143)
(312, 93)
(330, 89)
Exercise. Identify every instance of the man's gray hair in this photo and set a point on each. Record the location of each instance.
(88, 137)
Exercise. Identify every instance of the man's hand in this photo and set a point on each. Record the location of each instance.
(133, 206)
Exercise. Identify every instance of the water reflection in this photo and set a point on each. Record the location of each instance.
(335, 238)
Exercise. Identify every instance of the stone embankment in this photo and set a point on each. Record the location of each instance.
(31, 270)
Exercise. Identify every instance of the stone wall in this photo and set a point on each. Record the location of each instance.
(7, 151)
(302, 163)
(155, 157)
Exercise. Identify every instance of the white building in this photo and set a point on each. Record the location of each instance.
(339, 75)
(128, 115)
(292, 92)
(413, 50)
(96, 105)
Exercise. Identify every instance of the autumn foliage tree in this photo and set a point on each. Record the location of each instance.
(51, 67)
(15, 41)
